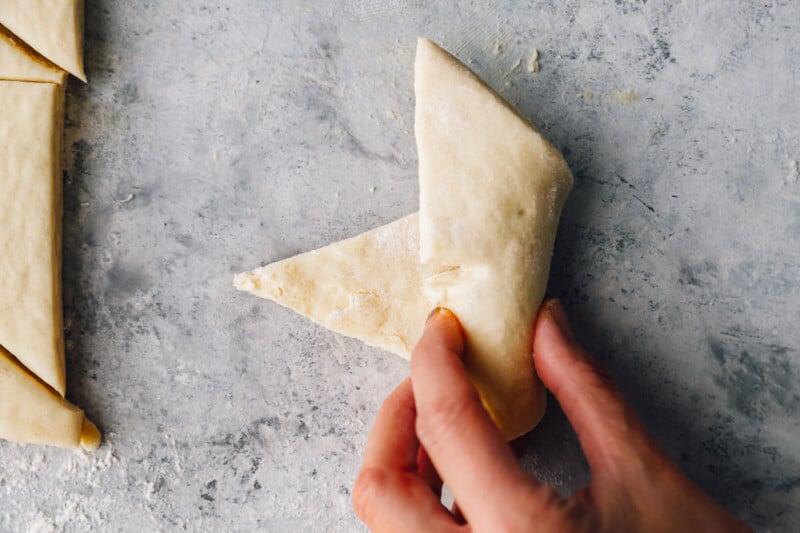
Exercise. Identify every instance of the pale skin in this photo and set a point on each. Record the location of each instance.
(433, 429)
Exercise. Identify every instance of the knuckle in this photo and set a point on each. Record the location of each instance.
(596, 375)
(370, 482)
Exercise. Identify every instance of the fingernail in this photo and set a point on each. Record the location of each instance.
(435, 310)
(556, 310)
(446, 324)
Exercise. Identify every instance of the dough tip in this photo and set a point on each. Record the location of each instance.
(90, 436)
(243, 281)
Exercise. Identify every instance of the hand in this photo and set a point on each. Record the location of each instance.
(433, 428)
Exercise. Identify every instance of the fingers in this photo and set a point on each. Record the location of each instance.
(393, 443)
(397, 488)
(397, 501)
(606, 425)
(427, 472)
(467, 449)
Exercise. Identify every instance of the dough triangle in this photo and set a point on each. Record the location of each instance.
(491, 193)
(30, 228)
(32, 413)
(367, 287)
(19, 62)
(54, 28)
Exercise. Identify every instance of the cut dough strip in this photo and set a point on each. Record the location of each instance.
(32, 376)
(54, 28)
(19, 62)
(32, 413)
(30, 227)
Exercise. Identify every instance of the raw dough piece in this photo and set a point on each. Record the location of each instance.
(368, 287)
(491, 193)
(54, 28)
(20, 62)
(30, 412)
(31, 120)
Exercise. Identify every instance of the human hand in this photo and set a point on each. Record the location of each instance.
(433, 428)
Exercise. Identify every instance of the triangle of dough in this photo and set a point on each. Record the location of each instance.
(54, 28)
(30, 228)
(491, 193)
(32, 413)
(367, 287)
(20, 62)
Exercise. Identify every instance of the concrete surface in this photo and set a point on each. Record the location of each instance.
(216, 136)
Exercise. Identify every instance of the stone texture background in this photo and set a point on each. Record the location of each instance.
(216, 136)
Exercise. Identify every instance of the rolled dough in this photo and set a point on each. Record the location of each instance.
(19, 62)
(31, 120)
(54, 28)
(31, 412)
(491, 193)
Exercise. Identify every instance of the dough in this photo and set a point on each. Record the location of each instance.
(491, 193)
(31, 117)
(368, 287)
(30, 412)
(21, 63)
(54, 28)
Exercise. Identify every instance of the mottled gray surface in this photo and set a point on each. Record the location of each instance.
(247, 131)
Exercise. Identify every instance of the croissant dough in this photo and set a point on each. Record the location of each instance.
(32, 375)
(30, 228)
(54, 28)
(491, 193)
(21, 63)
(32, 413)
(368, 287)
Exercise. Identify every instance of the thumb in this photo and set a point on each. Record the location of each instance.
(608, 429)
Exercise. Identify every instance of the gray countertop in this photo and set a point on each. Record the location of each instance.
(216, 136)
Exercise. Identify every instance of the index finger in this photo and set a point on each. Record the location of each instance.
(465, 446)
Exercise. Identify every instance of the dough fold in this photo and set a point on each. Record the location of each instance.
(31, 323)
(491, 193)
(19, 62)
